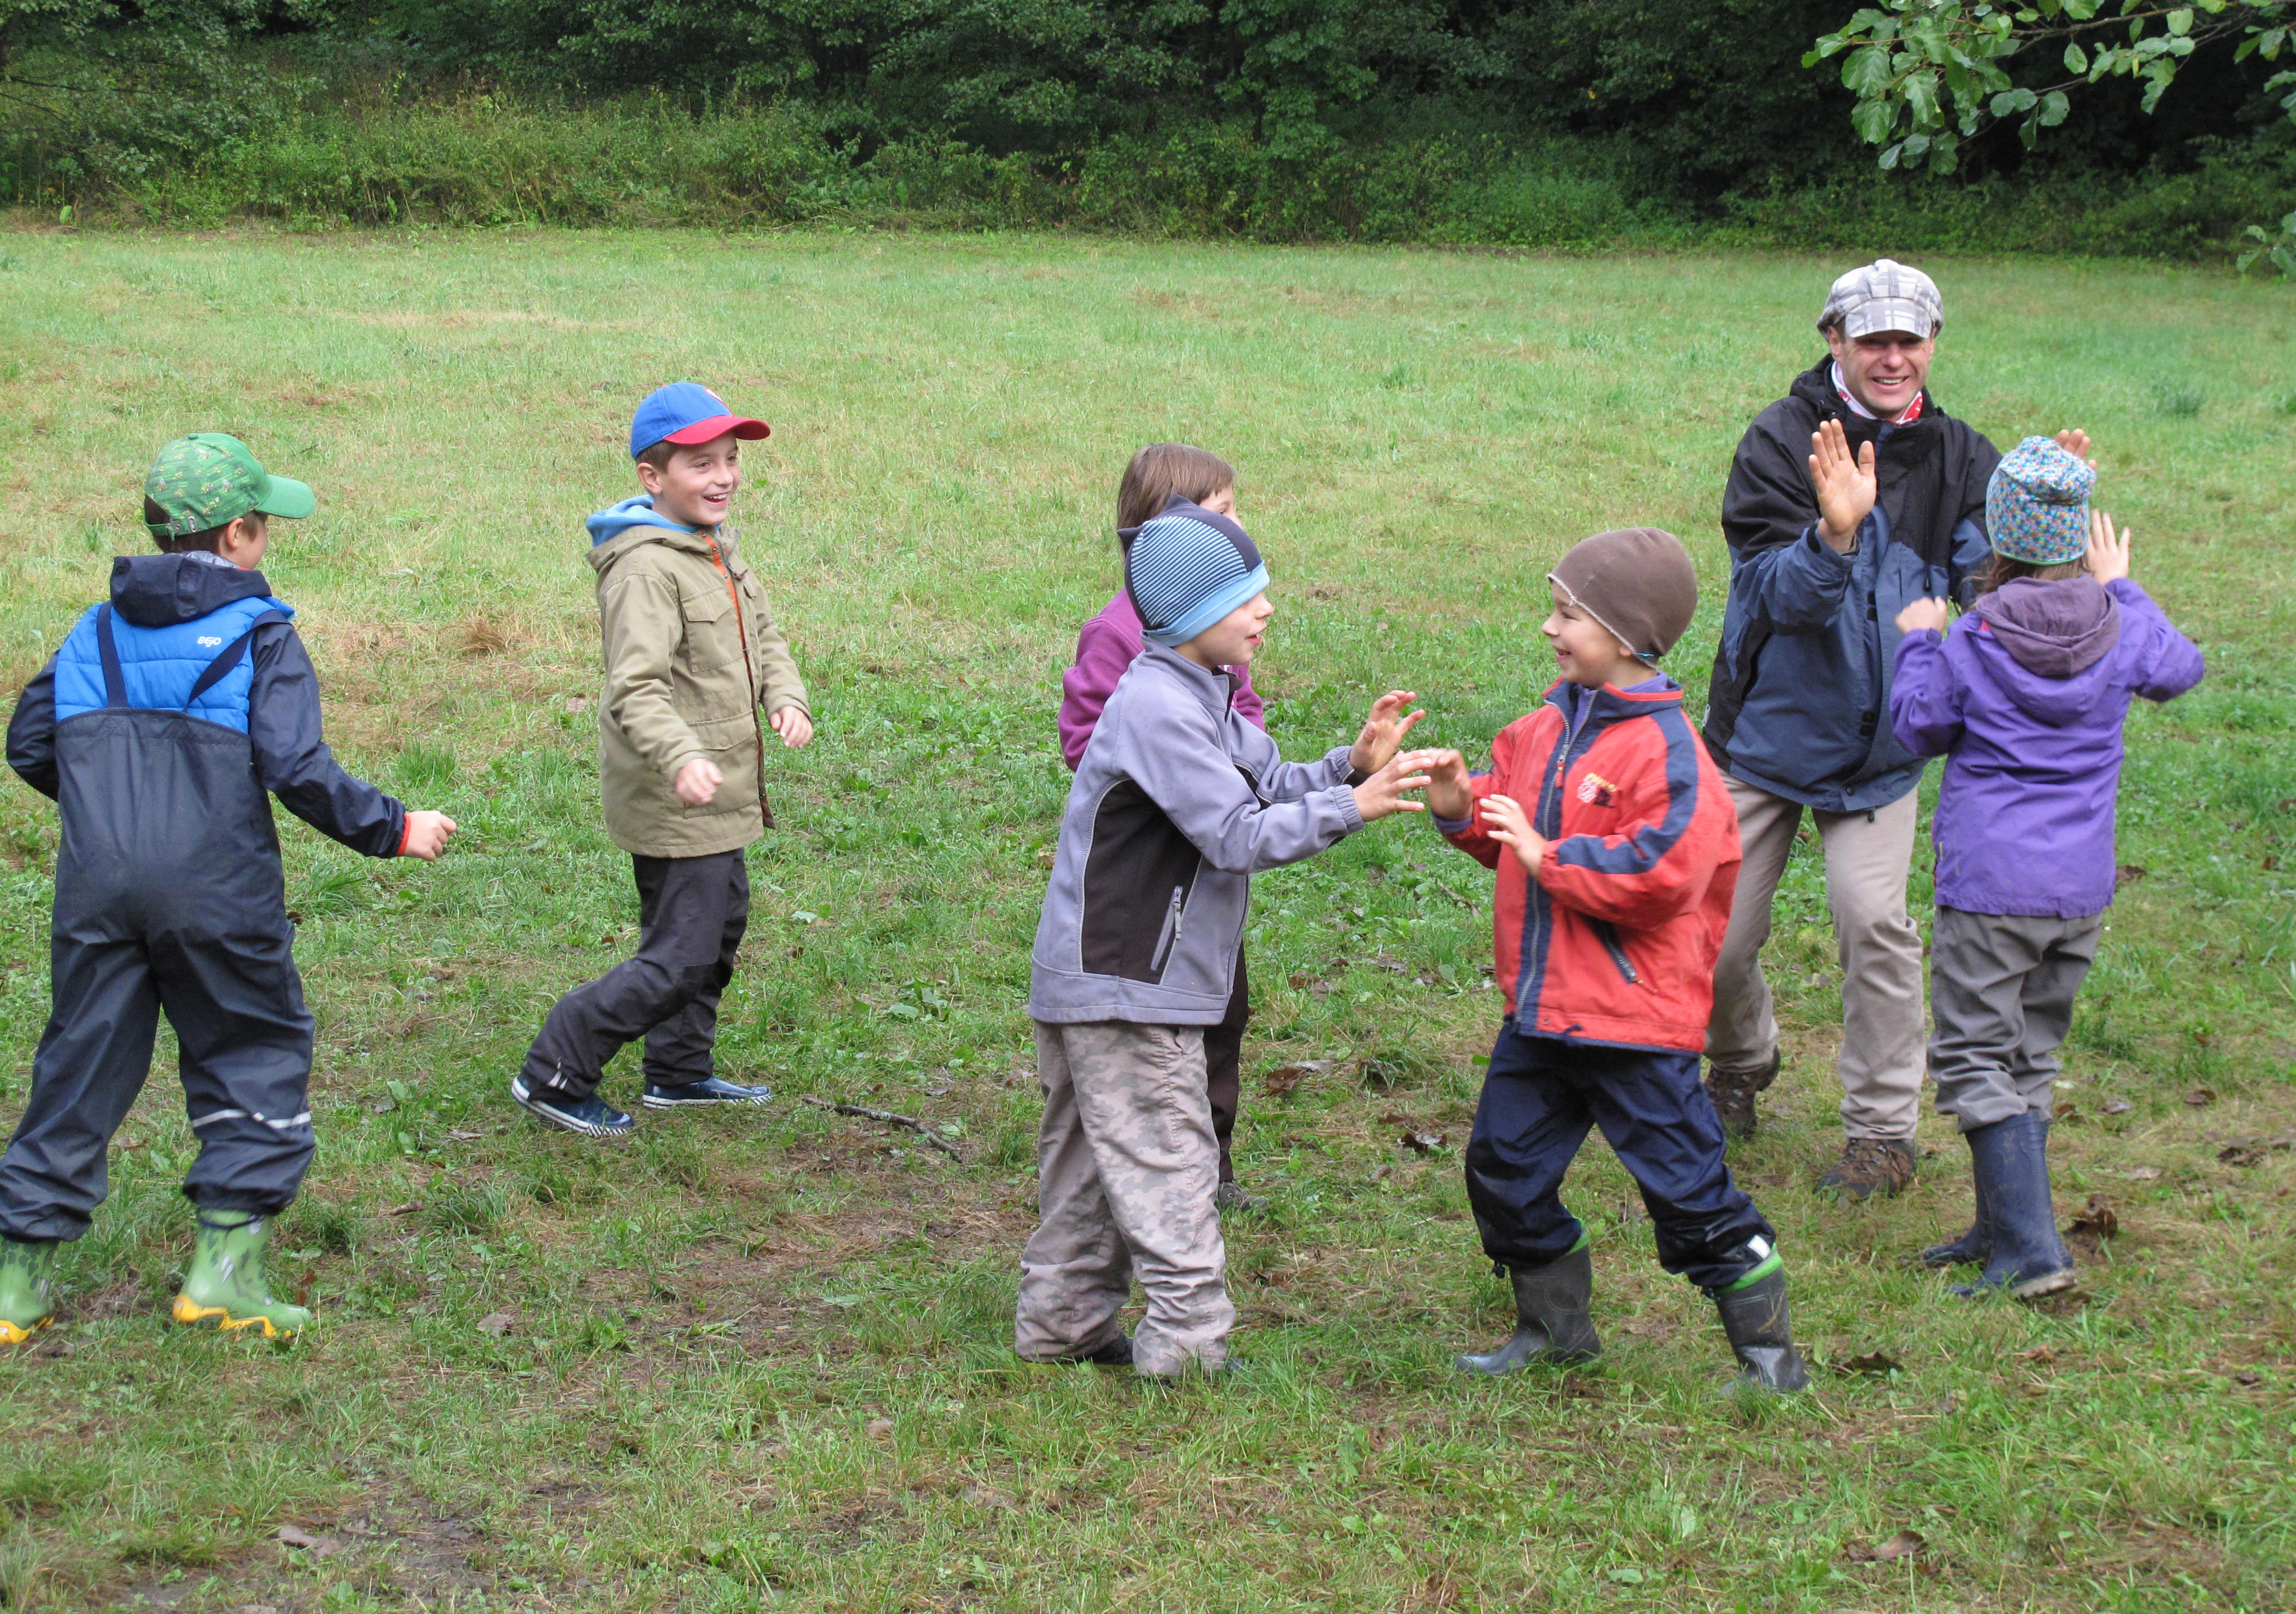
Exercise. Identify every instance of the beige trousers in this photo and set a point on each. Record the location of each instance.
(1867, 860)
(1127, 1166)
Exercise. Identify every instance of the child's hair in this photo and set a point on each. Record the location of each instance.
(1999, 569)
(1162, 470)
(211, 540)
(657, 454)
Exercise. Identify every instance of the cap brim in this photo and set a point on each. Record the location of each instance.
(716, 426)
(286, 498)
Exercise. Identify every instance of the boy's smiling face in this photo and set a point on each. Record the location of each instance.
(1234, 639)
(1585, 652)
(698, 484)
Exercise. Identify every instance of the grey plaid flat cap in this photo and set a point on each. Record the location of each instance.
(1885, 295)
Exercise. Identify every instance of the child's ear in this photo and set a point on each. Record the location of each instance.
(649, 478)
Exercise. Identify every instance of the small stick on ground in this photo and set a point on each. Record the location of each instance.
(890, 1119)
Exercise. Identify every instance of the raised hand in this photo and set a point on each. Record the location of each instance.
(2074, 441)
(1921, 614)
(1383, 793)
(2108, 549)
(1450, 793)
(1845, 485)
(426, 834)
(1506, 822)
(1384, 730)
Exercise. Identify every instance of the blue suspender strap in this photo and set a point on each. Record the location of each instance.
(115, 687)
(218, 669)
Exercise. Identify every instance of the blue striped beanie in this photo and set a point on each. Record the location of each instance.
(2036, 504)
(1186, 569)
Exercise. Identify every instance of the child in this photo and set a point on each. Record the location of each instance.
(162, 727)
(1176, 801)
(1108, 645)
(691, 655)
(2025, 698)
(1620, 853)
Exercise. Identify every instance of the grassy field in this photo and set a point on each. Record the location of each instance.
(765, 1358)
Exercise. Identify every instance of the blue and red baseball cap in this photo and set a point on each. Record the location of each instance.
(687, 412)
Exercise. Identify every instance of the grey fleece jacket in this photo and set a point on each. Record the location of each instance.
(1178, 800)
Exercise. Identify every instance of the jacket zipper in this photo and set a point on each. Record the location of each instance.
(1552, 792)
(1168, 937)
(1609, 932)
(741, 629)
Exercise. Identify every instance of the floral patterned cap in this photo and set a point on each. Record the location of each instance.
(2036, 504)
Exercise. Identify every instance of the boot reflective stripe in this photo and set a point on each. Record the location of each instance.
(1759, 1248)
(286, 1123)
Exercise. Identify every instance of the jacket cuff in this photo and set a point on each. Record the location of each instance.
(1348, 808)
(1450, 826)
(405, 831)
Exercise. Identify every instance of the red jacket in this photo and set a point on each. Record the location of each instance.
(1615, 941)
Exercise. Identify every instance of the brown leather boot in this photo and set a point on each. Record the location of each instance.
(1868, 1167)
(1733, 1092)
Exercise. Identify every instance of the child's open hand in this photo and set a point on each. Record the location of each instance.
(697, 782)
(426, 835)
(1845, 485)
(794, 727)
(1930, 614)
(2074, 441)
(2108, 549)
(1506, 822)
(1450, 794)
(1383, 793)
(1384, 730)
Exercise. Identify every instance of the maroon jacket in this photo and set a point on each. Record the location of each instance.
(1109, 645)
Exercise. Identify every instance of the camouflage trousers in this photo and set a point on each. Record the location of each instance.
(1127, 1166)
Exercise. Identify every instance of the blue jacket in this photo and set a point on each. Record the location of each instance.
(1799, 701)
(162, 726)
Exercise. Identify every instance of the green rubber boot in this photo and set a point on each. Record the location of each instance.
(224, 1288)
(27, 1277)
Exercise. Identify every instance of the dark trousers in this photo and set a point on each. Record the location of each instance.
(244, 1036)
(692, 913)
(1223, 1067)
(1539, 1100)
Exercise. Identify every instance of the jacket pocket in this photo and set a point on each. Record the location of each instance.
(1609, 935)
(1137, 879)
(713, 637)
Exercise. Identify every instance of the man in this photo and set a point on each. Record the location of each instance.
(1797, 713)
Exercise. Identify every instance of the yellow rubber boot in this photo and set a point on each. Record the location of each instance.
(226, 1289)
(27, 1277)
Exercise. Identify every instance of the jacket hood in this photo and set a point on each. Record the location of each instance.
(618, 528)
(615, 520)
(2049, 652)
(159, 591)
(2052, 628)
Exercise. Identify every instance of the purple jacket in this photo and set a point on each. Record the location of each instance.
(1109, 645)
(2025, 698)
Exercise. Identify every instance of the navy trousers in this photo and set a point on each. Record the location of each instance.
(1539, 1100)
(692, 913)
(243, 1041)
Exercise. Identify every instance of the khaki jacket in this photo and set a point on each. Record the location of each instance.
(692, 657)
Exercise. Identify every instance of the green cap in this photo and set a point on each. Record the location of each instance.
(209, 479)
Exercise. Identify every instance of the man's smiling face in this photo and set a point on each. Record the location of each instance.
(1886, 370)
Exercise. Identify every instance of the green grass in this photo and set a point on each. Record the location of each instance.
(765, 1358)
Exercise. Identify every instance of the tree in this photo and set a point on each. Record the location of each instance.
(1930, 75)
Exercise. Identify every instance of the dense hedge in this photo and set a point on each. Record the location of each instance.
(1544, 122)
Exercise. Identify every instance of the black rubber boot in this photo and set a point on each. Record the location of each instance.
(2026, 1259)
(1977, 1243)
(1552, 1322)
(1760, 1331)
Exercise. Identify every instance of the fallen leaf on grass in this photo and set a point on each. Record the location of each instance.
(315, 1546)
(1878, 1363)
(1426, 1143)
(2144, 1173)
(408, 1210)
(2041, 1356)
(497, 1323)
(2119, 1106)
(289, 1537)
(1905, 1544)
(2242, 1154)
(2065, 1109)
(2127, 873)
(878, 1428)
(1283, 1079)
(466, 1137)
(2248, 1378)
(2201, 1098)
(2096, 1222)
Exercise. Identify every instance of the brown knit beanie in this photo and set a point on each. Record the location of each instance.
(1637, 582)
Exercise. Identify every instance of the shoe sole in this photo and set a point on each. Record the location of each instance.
(2048, 1284)
(562, 1121)
(652, 1102)
(192, 1315)
(11, 1334)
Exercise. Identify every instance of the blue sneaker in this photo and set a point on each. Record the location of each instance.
(710, 1090)
(591, 1116)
